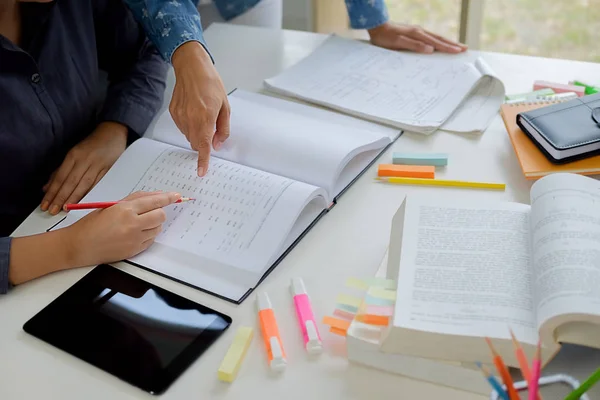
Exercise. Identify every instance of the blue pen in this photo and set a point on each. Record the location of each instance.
(493, 382)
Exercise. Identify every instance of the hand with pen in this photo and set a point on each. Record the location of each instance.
(106, 235)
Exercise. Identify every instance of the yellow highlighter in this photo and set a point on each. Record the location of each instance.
(236, 354)
(442, 182)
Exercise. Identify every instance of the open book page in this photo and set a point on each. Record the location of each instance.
(238, 222)
(408, 91)
(269, 138)
(565, 220)
(465, 269)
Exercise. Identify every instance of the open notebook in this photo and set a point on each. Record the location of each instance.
(419, 93)
(283, 167)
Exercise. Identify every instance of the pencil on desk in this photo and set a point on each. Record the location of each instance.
(585, 386)
(493, 382)
(442, 182)
(534, 382)
(503, 372)
(106, 204)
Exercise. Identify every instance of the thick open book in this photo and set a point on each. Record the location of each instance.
(415, 92)
(284, 165)
(467, 270)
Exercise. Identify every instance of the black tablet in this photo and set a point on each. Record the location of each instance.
(140, 333)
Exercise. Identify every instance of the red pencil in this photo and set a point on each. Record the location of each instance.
(106, 204)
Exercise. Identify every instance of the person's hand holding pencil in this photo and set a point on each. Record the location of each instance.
(122, 230)
(103, 236)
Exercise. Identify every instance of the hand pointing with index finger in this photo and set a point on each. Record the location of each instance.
(199, 106)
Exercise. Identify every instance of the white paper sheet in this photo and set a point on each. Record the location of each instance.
(409, 91)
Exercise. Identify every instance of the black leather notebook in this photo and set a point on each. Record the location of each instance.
(567, 131)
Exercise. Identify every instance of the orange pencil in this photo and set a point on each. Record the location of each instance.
(522, 358)
(503, 372)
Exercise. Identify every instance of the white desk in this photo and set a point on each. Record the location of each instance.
(349, 241)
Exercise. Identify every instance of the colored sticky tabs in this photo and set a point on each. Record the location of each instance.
(343, 314)
(364, 284)
(373, 319)
(336, 323)
(559, 87)
(407, 171)
(380, 297)
(535, 93)
(385, 311)
(348, 300)
(341, 332)
(235, 354)
(382, 293)
(377, 301)
(435, 159)
(347, 308)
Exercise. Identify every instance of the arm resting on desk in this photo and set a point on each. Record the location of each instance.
(51, 254)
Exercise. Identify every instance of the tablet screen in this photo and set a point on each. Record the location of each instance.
(128, 327)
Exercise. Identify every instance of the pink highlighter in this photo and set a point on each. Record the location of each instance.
(306, 318)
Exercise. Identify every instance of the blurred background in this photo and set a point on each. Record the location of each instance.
(547, 28)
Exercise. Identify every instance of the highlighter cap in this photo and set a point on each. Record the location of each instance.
(297, 287)
(313, 345)
(278, 362)
(263, 302)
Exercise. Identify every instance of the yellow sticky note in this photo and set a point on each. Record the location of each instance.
(382, 293)
(348, 300)
(235, 354)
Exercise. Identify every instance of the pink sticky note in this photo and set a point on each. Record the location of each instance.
(559, 87)
(343, 314)
(384, 311)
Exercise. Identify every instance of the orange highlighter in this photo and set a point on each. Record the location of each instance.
(270, 333)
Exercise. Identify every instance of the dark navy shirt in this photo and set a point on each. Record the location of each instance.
(52, 94)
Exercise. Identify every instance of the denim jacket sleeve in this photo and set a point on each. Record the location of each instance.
(366, 14)
(168, 23)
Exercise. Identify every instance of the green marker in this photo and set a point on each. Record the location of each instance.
(589, 89)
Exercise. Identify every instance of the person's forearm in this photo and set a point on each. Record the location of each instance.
(38, 255)
(190, 55)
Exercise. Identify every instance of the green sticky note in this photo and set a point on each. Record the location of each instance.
(435, 159)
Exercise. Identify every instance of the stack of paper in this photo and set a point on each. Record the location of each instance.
(413, 92)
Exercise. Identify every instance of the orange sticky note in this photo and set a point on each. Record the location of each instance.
(373, 319)
(336, 323)
(336, 331)
(407, 171)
